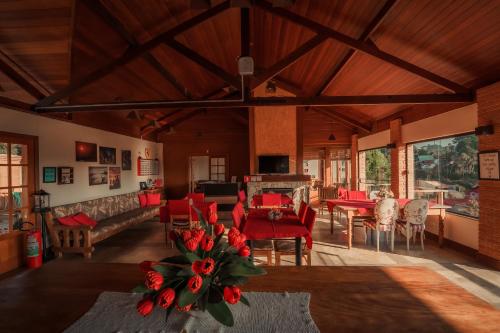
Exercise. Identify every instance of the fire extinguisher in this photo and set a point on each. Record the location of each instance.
(33, 248)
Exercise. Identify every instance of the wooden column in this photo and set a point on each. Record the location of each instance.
(251, 140)
(300, 141)
(398, 160)
(488, 102)
(328, 168)
(354, 162)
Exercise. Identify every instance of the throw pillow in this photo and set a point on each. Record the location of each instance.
(84, 219)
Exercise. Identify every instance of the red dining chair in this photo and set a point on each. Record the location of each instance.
(302, 211)
(196, 197)
(242, 197)
(238, 215)
(284, 247)
(272, 200)
(180, 215)
(342, 193)
(356, 195)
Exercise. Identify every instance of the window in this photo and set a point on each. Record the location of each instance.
(374, 169)
(16, 181)
(311, 168)
(341, 172)
(218, 168)
(446, 169)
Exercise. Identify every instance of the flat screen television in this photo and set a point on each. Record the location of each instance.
(273, 164)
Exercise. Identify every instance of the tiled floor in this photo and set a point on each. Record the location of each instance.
(146, 242)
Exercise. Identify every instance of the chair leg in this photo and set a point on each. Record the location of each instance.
(378, 236)
(366, 234)
(269, 258)
(422, 239)
(392, 239)
(166, 235)
(308, 259)
(277, 259)
(408, 238)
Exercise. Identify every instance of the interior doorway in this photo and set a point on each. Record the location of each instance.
(199, 169)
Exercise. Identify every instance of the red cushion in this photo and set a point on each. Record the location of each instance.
(153, 199)
(68, 220)
(84, 219)
(143, 200)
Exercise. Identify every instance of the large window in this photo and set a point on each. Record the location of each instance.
(374, 170)
(446, 169)
(341, 173)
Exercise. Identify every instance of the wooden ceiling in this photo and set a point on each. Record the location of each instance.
(387, 47)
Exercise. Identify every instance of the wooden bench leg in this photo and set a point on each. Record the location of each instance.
(269, 258)
(277, 259)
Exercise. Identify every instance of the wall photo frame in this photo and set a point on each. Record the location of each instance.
(98, 176)
(49, 174)
(489, 165)
(126, 160)
(85, 152)
(114, 178)
(64, 175)
(107, 155)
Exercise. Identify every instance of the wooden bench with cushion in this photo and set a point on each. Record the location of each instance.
(113, 215)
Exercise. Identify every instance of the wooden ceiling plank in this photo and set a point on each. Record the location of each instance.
(14, 104)
(100, 10)
(179, 120)
(363, 47)
(245, 44)
(267, 101)
(205, 63)
(19, 79)
(335, 115)
(289, 60)
(365, 36)
(132, 53)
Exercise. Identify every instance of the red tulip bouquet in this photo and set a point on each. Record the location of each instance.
(205, 276)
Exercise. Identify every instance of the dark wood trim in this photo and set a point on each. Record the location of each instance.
(335, 115)
(133, 52)
(245, 44)
(363, 47)
(265, 101)
(14, 104)
(488, 261)
(452, 244)
(179, 120)
(288, 86)
(365, 36)
(19, 79)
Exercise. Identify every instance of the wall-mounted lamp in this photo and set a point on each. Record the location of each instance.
(332, 137)
(391, 146)
(484, 130)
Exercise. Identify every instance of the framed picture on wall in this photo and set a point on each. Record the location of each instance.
(49, 174)
(114, 178)
(85, 152)
(489, 165)
(107, 155)
(64, 175)
(126, 160)
(98, 175)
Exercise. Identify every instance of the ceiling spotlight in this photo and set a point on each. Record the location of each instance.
(332, 137)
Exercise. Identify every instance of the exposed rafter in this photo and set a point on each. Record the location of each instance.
(363, 47)
(14, 104)
(98, 8)
(337, 116)
(365, 37)
(267, 101)
(19, 79)
(179, 120)
(134, 52)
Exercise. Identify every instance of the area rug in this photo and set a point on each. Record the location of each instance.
(115, 312)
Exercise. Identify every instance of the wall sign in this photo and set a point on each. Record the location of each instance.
(49, 174)
(64, 175)
(489, 165)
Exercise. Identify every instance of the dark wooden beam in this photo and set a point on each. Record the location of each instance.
(337, 116)
(99, 9)
(132, 53)
(14, 104)
(245, 44)
(179, 120)
(20, 80)
(266, 101)
(365, 36)
(205, 63)
(161, 119)
(289, 60)
(363, 47)
(288, 86)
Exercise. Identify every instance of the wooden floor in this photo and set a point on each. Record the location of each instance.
(344, 299)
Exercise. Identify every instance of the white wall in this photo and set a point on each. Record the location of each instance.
(56, 140)
(458, 228)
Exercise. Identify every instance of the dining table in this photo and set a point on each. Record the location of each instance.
(258, 226)
(207, 209)
(257, 201)
(351, 208)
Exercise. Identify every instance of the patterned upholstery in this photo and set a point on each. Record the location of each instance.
(387, 211)
(415, 211)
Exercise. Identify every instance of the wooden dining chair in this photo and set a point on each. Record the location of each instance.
(413, 221)
(180, 215)
(325, 193)
(386, 214)
(271, 200)
(261, 247)
(286, 247)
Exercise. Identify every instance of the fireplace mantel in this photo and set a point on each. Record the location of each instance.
(299, 184)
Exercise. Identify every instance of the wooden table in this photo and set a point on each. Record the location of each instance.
(350, 212)
(343, 299)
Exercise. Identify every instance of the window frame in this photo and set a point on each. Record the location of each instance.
(440, 138)
(218, 173)
(374, 148)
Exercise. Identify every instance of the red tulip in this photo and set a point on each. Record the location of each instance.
(145, 306)
(154, 280)
(183, 308)
(232, 294)
(218, 229)
(212, 219)
(207, 243)
(196, 266)
(186, 235)
(194, 284)
(166, 297)
(191, 244)
(244, 251)
(207, 266)
(233, 236)
(197, 234)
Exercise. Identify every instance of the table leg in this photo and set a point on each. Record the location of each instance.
(250, 245)
(349, 229)
(331, 222)
(441, 228)
(298, 251)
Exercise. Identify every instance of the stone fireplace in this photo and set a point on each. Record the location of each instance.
(295, 186)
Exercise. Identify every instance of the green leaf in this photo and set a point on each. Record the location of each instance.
(192, 257)
(179, 260)
(201, 218)
(234, 281)
(215, 294)
(179, 243)
(221, 312)
(140, 289)
(167, 271)
(242, 269)
(187, 271)
(186, 297)
(244, 300)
